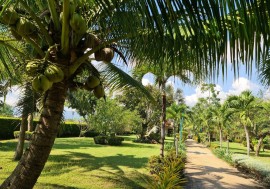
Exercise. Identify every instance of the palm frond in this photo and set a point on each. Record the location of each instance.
(117, 79)
(27, 100)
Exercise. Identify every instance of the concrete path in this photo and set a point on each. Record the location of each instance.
(205, 171)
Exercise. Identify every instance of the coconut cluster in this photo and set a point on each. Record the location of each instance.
(84, 40)
(44, 71)
(19, 25)
(44, 74)
(93, 83)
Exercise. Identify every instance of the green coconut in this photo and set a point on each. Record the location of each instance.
(92, 82)
(99, 91)
(41, 83)
(54, 73)
(32, 67)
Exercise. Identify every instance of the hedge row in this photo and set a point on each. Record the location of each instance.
(256, 168)
(9, 125)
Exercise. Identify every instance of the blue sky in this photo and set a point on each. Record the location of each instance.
(230, 85)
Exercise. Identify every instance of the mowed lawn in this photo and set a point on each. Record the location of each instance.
(238, 148)
(79, 163)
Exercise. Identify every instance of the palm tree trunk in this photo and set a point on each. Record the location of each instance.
(30, 122)
(220, 137)
(209, 138)
(247, 139)
(144, 129)
(33, 160)
(257, 152)
(228, 142)
(162, 129)
(20, 145)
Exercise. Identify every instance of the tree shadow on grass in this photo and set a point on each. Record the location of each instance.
(58, 186)
(89, 162)
(120, 179)
(8, 146)
(62, 164)
(137, 145)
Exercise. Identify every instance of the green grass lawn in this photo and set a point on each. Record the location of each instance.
(79, 163)
(238, 148)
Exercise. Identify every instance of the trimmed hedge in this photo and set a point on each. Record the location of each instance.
(110, 140)
(69, 129)
(90, 133)
(28, 134)
(9, 124)
(115, 141)
(100, 140)
(256, 168)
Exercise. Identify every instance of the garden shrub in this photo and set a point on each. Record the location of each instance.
(154, 137)
(69, 130)
(197, 138)
(100, 139)
(28, 134)
(223, 154)
(203, 137)
(7, 126)
(184, 136)
(90, 133)
(144, 140)
(168, 172)
(115, 141)
(258, 169)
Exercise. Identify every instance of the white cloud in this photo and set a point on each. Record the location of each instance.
(241, 84)
(266, 94)
(13, 96)
(170, 83)
(192, 99)
(146, 81)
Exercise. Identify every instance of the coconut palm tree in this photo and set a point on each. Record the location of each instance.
(220, 116)
(175, 112)
(162, 74)
(63, 34)
(242, 105)
(26, 106)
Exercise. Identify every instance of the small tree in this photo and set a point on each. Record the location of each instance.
(111, 117)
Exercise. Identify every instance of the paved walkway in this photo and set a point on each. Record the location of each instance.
(206, 171)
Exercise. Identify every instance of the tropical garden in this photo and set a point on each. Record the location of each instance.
(70, 52)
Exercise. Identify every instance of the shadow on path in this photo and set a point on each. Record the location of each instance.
(206, 171)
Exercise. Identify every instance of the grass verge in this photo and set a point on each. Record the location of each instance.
(81, 164)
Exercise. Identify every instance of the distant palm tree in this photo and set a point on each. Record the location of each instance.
(220, 116)
(26, 106)
(162, 74)
(242, 105)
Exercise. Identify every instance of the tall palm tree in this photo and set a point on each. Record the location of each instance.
(175, 112)
(162, 73)
(242, 105)
(27, 106)
(221, 115)
(172, 27)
